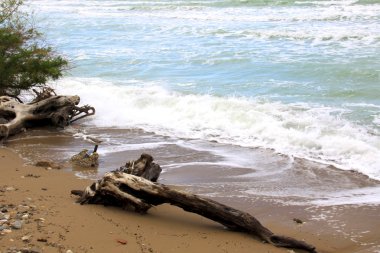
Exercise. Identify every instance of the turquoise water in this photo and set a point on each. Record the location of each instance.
(299, 77)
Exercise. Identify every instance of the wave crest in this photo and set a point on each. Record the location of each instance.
(317, 133)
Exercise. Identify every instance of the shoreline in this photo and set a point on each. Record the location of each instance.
(166, 228)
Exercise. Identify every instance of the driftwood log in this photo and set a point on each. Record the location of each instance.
(119, 188)
(45, 109)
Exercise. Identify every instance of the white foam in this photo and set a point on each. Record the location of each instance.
(328, 22)
(358, 196)
(330, 11)
(376, 119)
(295, 129)
(368, 196)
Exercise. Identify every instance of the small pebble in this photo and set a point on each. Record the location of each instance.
(10, 188)
(7, 231)
(298, 221)
(25, 238)
(41, 220)
(23, 209)
(69, 251)
(17, 224)
(121, 241)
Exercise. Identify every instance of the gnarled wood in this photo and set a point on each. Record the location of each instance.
(44, 93)
(129, 191)
(47, 109)
(143, 167)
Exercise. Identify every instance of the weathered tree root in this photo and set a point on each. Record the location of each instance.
(85, 110)
(47, 109)
(44, 93)
(128, 191)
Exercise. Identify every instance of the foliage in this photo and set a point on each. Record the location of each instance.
(25, 61)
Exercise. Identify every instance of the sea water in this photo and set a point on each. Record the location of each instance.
(301, 78)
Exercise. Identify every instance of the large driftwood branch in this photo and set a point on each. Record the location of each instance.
(129, 191)
(46, 109)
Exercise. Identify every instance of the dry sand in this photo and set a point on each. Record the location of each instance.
(53, 222)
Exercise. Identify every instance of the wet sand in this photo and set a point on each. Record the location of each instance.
(66, 225)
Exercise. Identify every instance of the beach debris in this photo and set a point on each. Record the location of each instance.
(25, 238)
(23, 208)
(85, 160)
(17, 224)
(123, 189)
(2, 216)
(298, 221)
(48, 164)
(46, 109)
(23, 250)
(121, 241)
(41, 240)
(7, 216)
(32, 175)
(6, 231)
(42, 220)
(10, 189)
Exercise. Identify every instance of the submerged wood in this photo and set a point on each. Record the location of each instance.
(118, 188)
(46, 109)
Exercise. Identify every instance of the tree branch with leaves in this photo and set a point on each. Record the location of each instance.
(25, 61)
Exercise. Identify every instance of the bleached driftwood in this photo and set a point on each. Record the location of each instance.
(118, 188)
(47, 109)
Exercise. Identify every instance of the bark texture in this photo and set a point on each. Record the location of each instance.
(46, 109)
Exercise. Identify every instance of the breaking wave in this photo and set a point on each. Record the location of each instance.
(307, 131)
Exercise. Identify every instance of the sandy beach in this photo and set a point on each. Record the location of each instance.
(51, 221)
(55, 223)
(269, 107)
